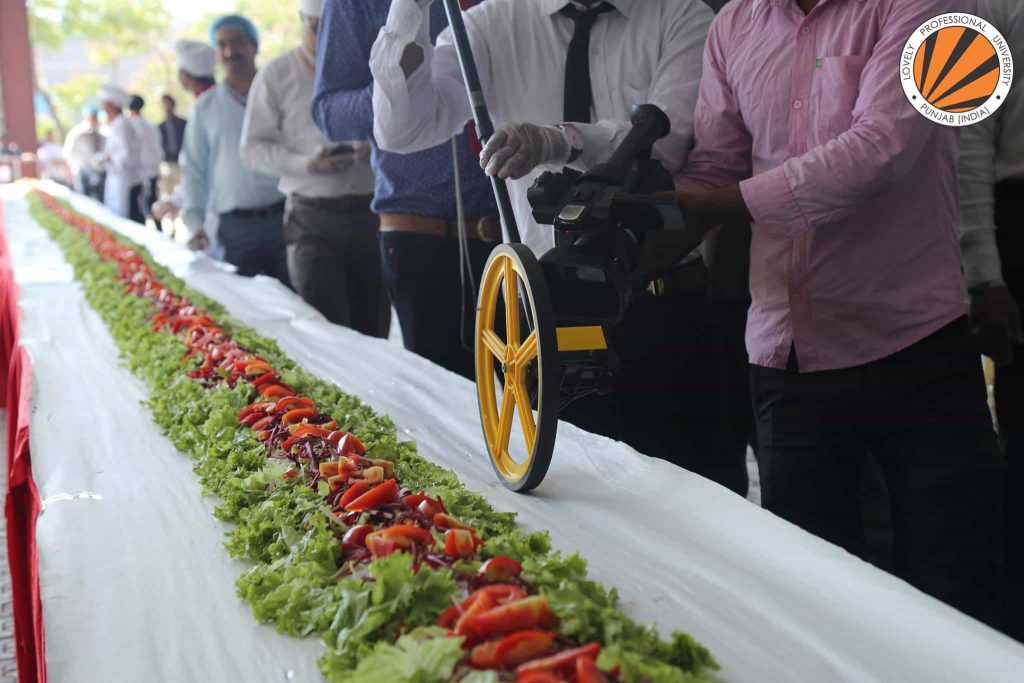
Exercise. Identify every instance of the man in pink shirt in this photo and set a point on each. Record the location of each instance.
(857, 332)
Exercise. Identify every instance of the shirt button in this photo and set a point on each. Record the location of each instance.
(805, 30)
(797, 104)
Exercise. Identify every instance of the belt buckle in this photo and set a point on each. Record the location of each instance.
(487, 231)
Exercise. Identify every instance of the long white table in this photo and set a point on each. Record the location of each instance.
(135, 584)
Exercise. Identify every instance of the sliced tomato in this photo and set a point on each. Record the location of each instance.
(349, 444)
(263, 379)
(399, 537)
(563, 659)
(527, 613)
(258, 407)
(414, 499)
(289, 402)
(355, 537)
(306, 429)
(499, 569)
(330, 425)
(335, 437)
(329, 469)
(446, 521)
(251, 419)
(460, 543)
(264, 435)
(274, 391)
(522, 646)
(484, 656)
(587, 671)
(337, 482)
(538, 677)
(475, 604)
(297, 415)
(355, 491)
(429, 507)
(257, 368)
(288, 443)
(449, 617)
(263, 423)
(502, 592)
(381, 494)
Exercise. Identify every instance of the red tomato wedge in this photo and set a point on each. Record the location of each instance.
(484, 656)
(518, 615)
(355, 491)
(523, 646)
(460, 543)
(349, 444)
(446, 521)
(399, 537)
(429, 508)
(297, 415)
(502, 592)
(563, 659)
(587, 671)
(538, 677)
(263, 423)
(309, 430)
(474, 604)
(274, 391)
(289, 402)
(499, 569)
(380, 494)
(356, 536)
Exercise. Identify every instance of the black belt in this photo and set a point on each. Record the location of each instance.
(350, 202)
(261, 212)
(686, 278)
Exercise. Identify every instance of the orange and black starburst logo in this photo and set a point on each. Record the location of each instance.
(956, 69)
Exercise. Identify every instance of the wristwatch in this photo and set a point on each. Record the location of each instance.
(575, 140)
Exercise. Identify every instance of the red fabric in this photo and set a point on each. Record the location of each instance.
(22, 497)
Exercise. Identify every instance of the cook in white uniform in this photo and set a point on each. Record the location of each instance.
(120, 157)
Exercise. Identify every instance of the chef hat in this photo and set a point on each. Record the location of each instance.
(114, 94)
(195, 58)
(311, 8)
(234, 21)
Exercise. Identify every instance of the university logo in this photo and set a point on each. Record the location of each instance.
(956, 69)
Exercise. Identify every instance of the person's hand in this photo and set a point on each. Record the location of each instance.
(164, 209)
(198, 242)
(995, 323)
(323, 162)
(518, 148)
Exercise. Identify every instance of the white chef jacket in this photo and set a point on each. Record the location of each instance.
(151, 151)
(279, 135)
(82, 144)
(121, 160)
(992, 151)
(644, 51)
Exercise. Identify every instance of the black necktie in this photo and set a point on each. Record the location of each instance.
(577, 62)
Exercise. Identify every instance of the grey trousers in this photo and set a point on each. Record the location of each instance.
(333, 261)
(254, 244)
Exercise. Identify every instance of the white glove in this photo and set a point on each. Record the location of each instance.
(518, 148)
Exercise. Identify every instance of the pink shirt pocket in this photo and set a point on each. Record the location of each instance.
(834, 92)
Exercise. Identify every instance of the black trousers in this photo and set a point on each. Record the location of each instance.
(668, 398)
(922, 413)
(333, 261)
(421, 273)
(255, 243)
(1009, 390)
(135, 200)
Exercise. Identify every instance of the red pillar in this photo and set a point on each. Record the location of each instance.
(16, 75)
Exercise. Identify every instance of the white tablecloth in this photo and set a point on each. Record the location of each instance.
(136, 586)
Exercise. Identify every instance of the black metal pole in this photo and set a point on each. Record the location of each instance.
(484, 127)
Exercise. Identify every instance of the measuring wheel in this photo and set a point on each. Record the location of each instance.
(516, 344)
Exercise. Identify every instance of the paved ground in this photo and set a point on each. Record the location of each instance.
(8, 671)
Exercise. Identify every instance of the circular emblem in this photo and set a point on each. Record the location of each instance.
(956, 69)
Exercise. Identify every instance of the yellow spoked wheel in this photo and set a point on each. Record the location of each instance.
(515, 342)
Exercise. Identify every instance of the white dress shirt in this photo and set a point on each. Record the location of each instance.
(644, 51)
(279, 136)
(121, 160)
(151, 152)
(991, 151)
(81, 145)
